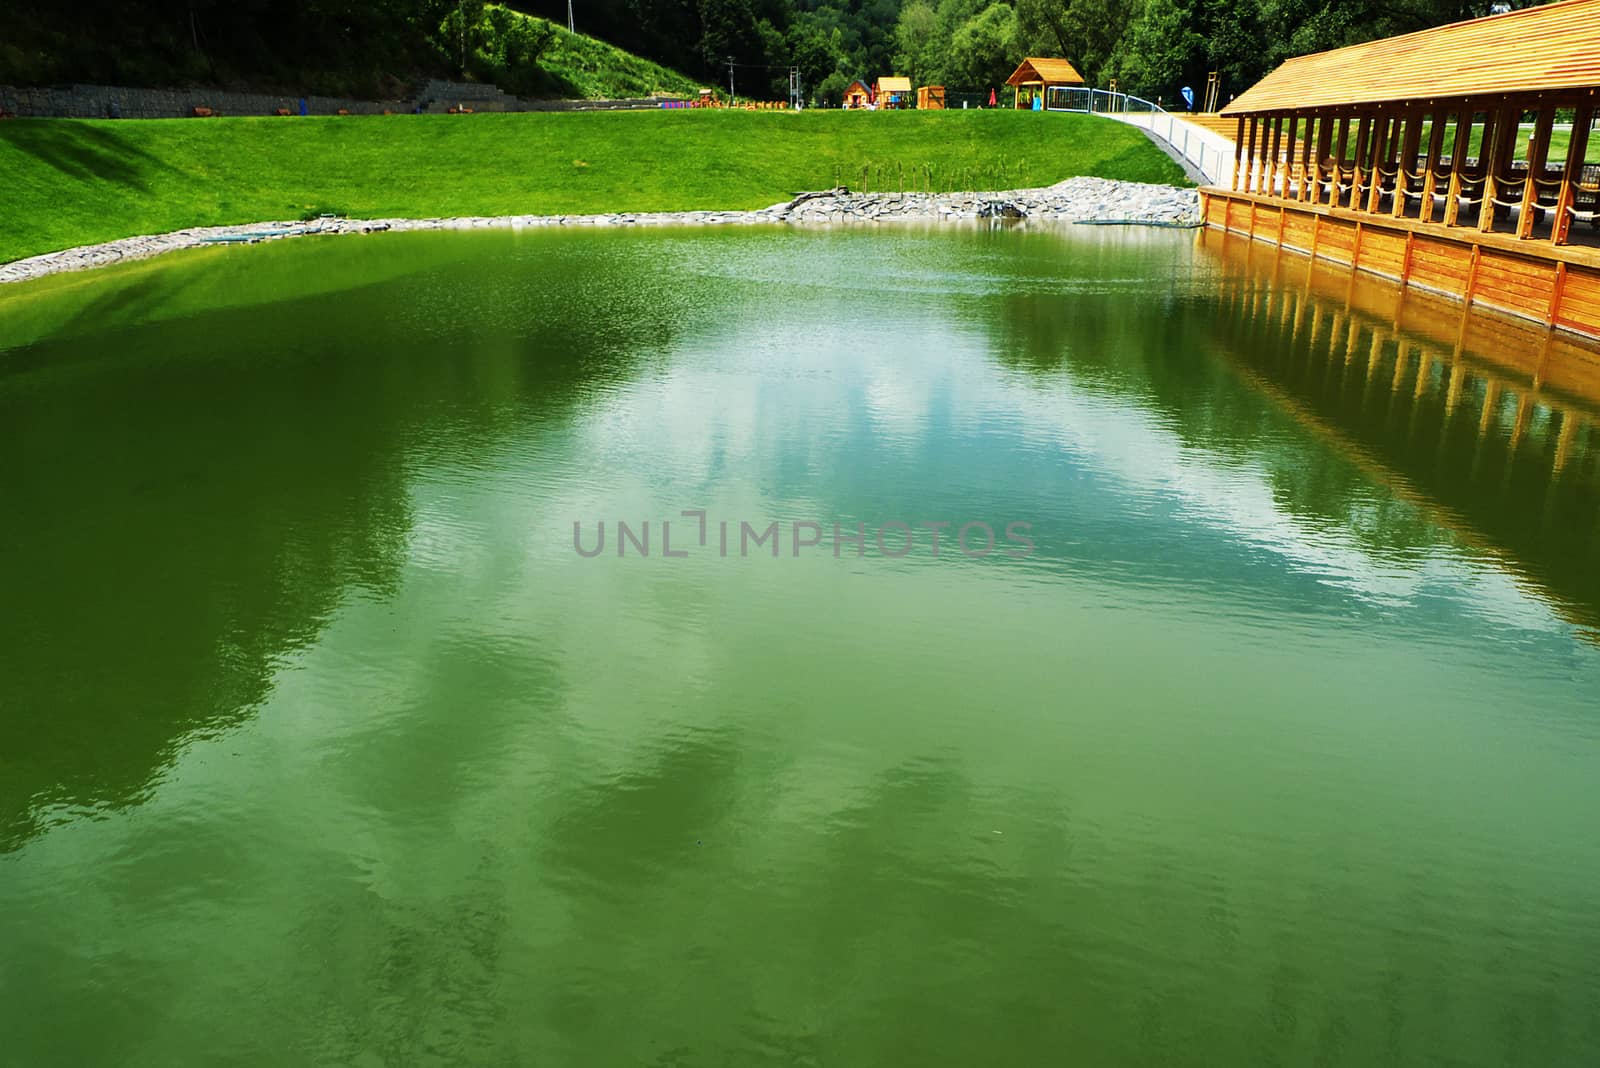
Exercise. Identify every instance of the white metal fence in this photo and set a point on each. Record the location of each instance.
(1209, 153)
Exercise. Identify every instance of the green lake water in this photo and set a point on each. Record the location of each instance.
(320, 743)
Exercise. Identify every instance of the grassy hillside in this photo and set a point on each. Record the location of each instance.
(75, 182)
(586, 68)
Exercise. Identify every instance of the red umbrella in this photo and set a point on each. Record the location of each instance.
(991, 98)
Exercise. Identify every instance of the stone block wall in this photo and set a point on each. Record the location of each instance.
(109, 102)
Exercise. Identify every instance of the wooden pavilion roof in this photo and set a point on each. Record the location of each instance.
(1536, 49)
(894, 84)
(1036, 70)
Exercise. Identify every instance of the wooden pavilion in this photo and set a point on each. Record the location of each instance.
(1408, 157)
(858, 95)
(1039, 75)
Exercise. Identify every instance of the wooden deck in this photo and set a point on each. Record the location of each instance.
(1552, 285)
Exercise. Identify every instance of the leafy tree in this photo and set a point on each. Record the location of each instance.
(917, 51)
(373, 47)
(981, 51)
(1160, 51)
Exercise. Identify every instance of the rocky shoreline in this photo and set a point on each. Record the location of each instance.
(1076, 200)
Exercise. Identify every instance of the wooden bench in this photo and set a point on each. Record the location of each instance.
(203, 112)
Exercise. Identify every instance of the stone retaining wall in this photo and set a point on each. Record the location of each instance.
(1076, 200)
(111, 102)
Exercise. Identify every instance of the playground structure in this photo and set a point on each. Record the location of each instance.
(858, 95)
(1406, 158)
(892, 93)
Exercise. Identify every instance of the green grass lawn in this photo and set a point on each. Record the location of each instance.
(74, 182)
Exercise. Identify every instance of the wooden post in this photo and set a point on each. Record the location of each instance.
(1458, 159)
(1572, 173)
(1250, 155)
(1358, 178)
(1271, 176)
(1390, 158)
(1383, 152)
(1557, 291)
(1430, 180)
(1263, 139)
(1288, 157)
(1505, 135)
(1238, 151)
(1538, 150)
(1324, 152)
(1375, 162)
(1370, 175)
(1308, 172)
(1338, 160)
(1406, 161)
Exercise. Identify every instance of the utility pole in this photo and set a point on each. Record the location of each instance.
(730, 79)
(569, 17)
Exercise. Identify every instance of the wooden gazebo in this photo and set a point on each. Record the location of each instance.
(1407, 157)
(1039, 75)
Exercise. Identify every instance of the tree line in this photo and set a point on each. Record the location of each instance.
(372, 47)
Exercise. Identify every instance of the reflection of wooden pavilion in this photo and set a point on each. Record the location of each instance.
(1489, 424)
(1039, 76)
(1406, 157)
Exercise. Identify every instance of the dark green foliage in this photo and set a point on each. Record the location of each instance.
(371, 47)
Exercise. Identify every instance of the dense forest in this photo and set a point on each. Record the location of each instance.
(373, 47)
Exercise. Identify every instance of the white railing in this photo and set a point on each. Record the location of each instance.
(1097, 101)
(1209, 154)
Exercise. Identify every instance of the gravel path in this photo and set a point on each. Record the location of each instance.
(1076, 200)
